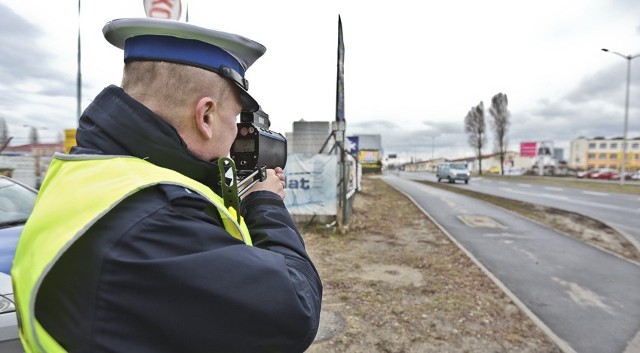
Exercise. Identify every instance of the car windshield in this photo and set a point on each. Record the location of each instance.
(458, 166)
(16, 202)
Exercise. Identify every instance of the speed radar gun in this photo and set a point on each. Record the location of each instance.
(255, 149)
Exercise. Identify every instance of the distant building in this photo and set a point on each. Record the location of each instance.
(601, 152)
(558, 154)
(513, 163)
(28, 163)
(39, 149)
(309, 137)
(424, 166)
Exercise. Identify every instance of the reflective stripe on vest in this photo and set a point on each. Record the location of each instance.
(77, 191)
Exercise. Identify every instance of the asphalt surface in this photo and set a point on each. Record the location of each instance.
(618, 210)
(586, 299)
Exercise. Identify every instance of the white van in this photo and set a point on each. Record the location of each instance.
(453, 171)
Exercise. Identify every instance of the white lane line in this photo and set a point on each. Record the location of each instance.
(525, 185)
(549, 196)
(557, 197)
(552, 188)
(595, 193)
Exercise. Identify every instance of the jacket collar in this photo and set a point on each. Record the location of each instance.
(115, 123)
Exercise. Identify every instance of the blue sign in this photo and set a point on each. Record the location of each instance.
(352, 144)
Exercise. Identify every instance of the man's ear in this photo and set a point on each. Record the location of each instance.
(205, 110)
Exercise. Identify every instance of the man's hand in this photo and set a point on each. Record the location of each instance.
(274, 182)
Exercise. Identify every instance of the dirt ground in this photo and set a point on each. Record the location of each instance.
(395, 283)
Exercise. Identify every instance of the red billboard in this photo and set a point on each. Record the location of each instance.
(528, 149)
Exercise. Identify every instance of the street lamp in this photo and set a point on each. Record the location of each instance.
(433, 139)
(626, 112)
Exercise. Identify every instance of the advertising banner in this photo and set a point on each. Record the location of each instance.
(545, 148)
(312, 184)
(369, 157)
(528, 149)
(534, 149)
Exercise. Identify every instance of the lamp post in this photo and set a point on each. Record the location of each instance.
(433, 139)
(626, 112)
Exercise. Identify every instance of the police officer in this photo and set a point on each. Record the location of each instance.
(129, 247)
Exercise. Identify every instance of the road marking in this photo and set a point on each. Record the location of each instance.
(479, 221)
(525, 185)
(550, 196)
(583, 296)
(552, 188)
(595, 193)
(505, 235)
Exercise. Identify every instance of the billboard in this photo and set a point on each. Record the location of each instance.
(538, 148)
(528, 149)
(369, 156)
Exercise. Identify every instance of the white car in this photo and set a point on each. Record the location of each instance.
(453, 171)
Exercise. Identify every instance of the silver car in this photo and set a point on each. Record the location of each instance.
(452, 171)
(16, 203)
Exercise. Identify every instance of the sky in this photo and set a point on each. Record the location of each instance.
(412, 70)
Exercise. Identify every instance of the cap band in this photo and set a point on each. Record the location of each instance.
(174, 49)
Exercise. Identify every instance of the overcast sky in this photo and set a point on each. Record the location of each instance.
(413, 69)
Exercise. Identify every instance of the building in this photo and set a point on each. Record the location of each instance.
(601, 152)
(514, 163)
(28, 163)
(424, 166)
(309, 137)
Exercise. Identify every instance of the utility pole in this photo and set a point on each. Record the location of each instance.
(79, 76)
(623, 168)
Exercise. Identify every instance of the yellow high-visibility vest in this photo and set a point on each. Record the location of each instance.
(77, 191)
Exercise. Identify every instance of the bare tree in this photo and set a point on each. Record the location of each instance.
(500, 125)
(475, 126)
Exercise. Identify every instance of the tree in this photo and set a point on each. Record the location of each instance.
(475, 126)
(500, 125)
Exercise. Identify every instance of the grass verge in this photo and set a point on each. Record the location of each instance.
(573, 224)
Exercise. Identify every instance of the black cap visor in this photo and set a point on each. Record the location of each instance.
(249, 104)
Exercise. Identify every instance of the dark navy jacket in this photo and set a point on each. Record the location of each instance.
(158, 273)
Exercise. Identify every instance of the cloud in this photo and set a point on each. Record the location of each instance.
(30, 75)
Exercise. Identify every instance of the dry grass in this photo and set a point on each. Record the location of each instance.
(402, 286)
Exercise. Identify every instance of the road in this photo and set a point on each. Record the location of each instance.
(618, 210)
(586, 299)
